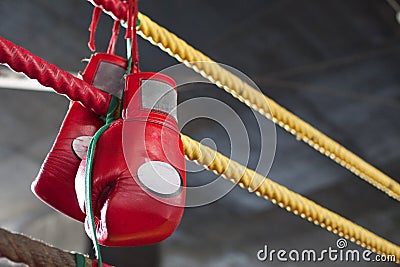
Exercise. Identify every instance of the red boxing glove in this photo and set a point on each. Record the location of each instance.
(55, 182)
(138, 177)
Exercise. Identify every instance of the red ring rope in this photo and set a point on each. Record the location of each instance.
(21, 60)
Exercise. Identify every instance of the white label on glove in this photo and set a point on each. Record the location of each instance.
(80, 145)
(160, 178)
(159, 96)
(110, 78)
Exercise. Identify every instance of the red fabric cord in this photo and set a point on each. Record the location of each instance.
(129, 29)
(93, 27)
(21, 60)
(114, 38)
(118, 9)
(131, 33)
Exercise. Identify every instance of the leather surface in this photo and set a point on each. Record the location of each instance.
(55, 183)
(126, 214)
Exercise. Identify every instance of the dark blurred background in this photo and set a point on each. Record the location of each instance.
(336, 64)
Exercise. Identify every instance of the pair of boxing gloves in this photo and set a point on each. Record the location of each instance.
(138, 176)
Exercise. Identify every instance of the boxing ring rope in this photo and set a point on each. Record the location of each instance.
(22, 249)
(37, 68)
(286, 199)
(221, 165)
(49, 75)
(183, 52)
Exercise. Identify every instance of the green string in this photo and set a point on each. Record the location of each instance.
(125, 24)
(129, 54)
(114, 102)
(80, 260)
(90, 158)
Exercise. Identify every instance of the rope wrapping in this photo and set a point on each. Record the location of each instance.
(116, 9)
(286, 199)
(21, 60)
(22, 249)
(183, 52)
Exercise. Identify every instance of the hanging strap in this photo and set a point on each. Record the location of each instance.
(93, 26)
(114, 38)
(131, 37)
(88, 176)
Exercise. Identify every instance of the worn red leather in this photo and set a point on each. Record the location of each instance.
(138, 178)
(55, 182)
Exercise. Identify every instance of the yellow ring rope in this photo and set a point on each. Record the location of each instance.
(239, 89)
(287, 199)
(257, 183)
